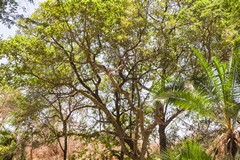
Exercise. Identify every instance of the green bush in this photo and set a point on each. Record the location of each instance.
(189, 150)
(7, 145)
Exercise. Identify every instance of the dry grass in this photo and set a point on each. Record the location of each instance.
(81, 150)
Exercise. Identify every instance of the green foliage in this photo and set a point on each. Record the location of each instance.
(7, 145)
(187, 150)
(216, 96)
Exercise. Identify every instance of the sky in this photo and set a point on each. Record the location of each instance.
(7, 32)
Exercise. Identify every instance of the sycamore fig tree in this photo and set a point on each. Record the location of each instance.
(97, 50)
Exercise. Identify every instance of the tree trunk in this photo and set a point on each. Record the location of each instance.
(65, 141)
(65, 148)
(23, 156)
(121, 156)
(162, 138)
(31, 153)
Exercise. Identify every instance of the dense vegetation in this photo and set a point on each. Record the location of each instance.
(125, 74)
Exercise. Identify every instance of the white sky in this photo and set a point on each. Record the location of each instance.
(7, 32)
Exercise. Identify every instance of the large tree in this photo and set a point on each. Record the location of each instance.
(99, 50)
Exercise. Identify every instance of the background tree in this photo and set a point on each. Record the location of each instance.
(51, 116)
(9, 140)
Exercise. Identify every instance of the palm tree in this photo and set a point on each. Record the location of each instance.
(216, 95)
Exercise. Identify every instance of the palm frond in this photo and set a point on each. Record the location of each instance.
(191, 101)
(167, 84)
(213, 78)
